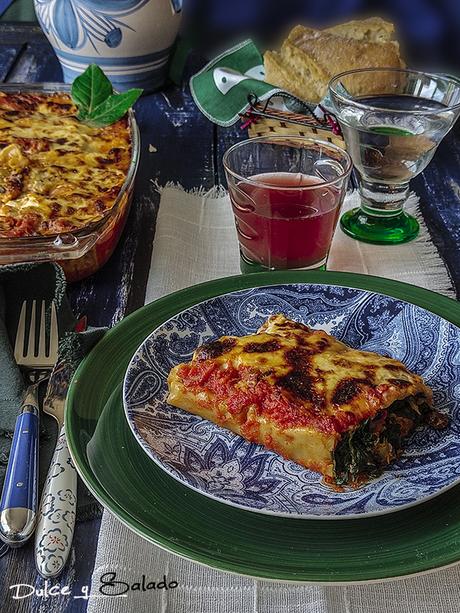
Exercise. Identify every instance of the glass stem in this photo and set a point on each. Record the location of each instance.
(383, 200)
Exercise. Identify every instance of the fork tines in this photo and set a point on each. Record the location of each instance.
(34, 349)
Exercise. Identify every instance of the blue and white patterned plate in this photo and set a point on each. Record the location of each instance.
(224, 466)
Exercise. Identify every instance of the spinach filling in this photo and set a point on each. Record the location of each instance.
(365, 451)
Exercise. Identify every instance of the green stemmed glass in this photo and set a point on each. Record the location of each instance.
(392, 122)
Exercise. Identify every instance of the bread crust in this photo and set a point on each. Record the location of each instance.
(284, 76)
(309, 58)
(372, 29)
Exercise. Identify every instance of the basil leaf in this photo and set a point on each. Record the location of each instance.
(92, 93)
(90, 90)
(113, 108)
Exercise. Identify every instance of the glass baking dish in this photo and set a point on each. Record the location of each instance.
(83, 251)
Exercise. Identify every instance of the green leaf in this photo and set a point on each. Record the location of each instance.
(113, 108)
(90, 89)
(92, 93)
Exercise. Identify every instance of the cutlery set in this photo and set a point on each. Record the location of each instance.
(36, 354)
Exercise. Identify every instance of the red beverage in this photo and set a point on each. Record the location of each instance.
(282, 227)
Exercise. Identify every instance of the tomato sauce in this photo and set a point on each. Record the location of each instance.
(244, 388)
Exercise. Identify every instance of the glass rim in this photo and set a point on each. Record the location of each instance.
(350, 100)
(280, 137)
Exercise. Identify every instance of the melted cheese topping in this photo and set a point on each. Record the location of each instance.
(290, 388)
(57, 174)
(299, 377)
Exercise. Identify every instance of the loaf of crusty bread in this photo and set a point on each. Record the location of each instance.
(371, 30)
(309, 58)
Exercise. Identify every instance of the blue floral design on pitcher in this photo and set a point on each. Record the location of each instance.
(75, 22)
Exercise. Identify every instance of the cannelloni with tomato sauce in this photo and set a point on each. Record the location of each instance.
(301, 392)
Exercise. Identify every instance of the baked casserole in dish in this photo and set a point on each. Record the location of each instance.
(65, 186)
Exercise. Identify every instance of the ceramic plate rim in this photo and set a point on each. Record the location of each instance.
(300, 582)
(305, 516)
(439, 556)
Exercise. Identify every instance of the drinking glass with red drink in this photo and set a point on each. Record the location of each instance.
(286, 193)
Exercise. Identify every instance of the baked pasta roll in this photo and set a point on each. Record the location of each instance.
(309, 397)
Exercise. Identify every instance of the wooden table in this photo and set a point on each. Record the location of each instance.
(187, 149)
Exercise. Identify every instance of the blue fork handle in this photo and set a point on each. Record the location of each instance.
(18, 504)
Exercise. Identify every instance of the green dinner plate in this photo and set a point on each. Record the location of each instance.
(165, 512)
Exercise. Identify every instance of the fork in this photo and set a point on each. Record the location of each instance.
(35, 355)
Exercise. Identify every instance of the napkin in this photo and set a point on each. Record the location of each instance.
(221, 88)
(417, 262)
(21, 282)
(195, 241)
(201, 222)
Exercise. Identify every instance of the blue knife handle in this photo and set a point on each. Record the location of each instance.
(18, 504)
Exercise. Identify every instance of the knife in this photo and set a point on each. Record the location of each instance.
(56, 517)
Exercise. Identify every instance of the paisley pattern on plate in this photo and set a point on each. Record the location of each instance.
(224, 466)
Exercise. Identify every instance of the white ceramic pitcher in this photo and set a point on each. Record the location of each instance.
(130, 40)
